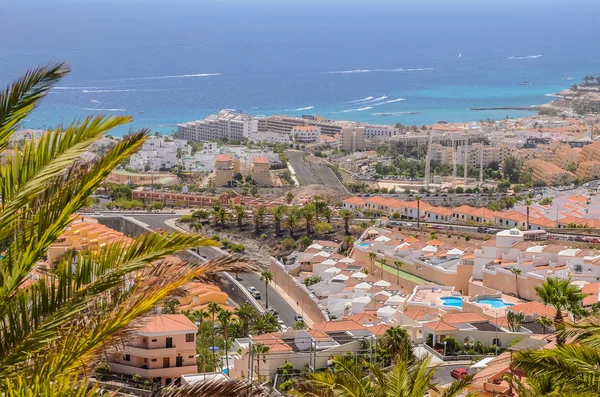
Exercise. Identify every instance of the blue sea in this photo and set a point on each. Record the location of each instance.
(166, 62)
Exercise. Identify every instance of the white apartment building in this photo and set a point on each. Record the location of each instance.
(442, 154)
(306, 134)
(224, 125)
(352, 139)
(379, 132)
(159, 153)
(271, 137)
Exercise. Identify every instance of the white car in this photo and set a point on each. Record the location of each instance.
(251, 289)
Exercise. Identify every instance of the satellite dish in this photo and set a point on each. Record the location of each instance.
(303, 340)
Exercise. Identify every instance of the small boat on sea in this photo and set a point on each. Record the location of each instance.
(140, 112)
(568, 78)
(525, 83)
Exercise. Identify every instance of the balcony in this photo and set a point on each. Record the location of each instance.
(170, 372)
(147, 352)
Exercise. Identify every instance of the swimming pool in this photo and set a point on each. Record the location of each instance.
(364, 244)
(495, 303)
(455, 301)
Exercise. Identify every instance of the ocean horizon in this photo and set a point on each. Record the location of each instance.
(383, 62)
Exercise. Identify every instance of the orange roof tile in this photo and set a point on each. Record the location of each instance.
(261, 160)
(531, 308)
(166, 323)
(464, 317)
(439, 326)
(224, 157)
(338, 326)
(354, 200)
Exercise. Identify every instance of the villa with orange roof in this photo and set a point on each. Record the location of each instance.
(226, 167)
(260, 171)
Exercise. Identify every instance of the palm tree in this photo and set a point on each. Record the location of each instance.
(240, 214)
(260, 349)
(278, 214)
(516, 272)
(246, 313)
(54, 328)
(528, 204)
(515, 320)
(308, 214)
(225, 321)
(291, 221)
(258, 217)
(398, 344)
(538, 386)
(544, 322)
(316, 202)
(213, 309)
(347, 379)
(263, 324)
(346, 217)
(348, 241)
(289, 197)
(199, 315)
(372, 256)
(561, 295)
(267, 277)
(221, 216)
(398, 265)
(382, 263)
(418, 198)
(327, 213)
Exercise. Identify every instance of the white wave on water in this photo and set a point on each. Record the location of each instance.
(379, 70)
(73, 88)
(95, 101)
(178, 76)
(409, 70)
(394, 113)
(390, 101)
(527, 57)
(554, 95)
(306, 108)
(105, 110)
(365, 99)
(381, 98)
(357, 110)
(131, 90)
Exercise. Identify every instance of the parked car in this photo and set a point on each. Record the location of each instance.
(273, 312)
(251, 289)
(256, 294)
(298, 317)
(458, 373)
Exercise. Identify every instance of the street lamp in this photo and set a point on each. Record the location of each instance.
(445, 348)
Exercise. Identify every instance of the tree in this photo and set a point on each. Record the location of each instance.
(213, 309)
(291, 221)
(55, 327)
(372, 256)
(308, 214)
(278, 214)
(398, 265)
(418, 198)
(267, 277)
(327, 213)
(300, 324)
(544, 322)
(254, 191)
(225, 321)
(398, 344)
(316, 202)
(246, 313)
(516, 272)
(258, 217)
(323, 228)
(265, 323)
(348, 379)
(260, 349)
(179, 204)
(511, 168)
(240, 214)
(221, 216)
(546, 201)
(120, 192)
(346, 217)
(538, 386)
(200, 315)
(157, 206)
(514, 320)
(348, 241)
(289, 197)
(561, 295)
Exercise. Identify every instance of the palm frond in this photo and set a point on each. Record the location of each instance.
(22, 96)
(231, 388)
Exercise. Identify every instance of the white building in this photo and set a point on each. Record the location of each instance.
(306, 134)
(376, 132)
(271, 137)
(224, 125)
(159, 153)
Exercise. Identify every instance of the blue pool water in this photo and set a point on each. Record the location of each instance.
(364, 244)
(495, 303)
(452, 301)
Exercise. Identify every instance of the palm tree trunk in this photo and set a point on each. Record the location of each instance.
(266, 294)
(528, 218)
(226, 351)
(213, 336)
(418, 214)
(517, 285)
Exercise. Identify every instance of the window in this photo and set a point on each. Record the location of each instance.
(127, 357)
(154, 340)
(189, 337)
(153, 360)
(191, 356)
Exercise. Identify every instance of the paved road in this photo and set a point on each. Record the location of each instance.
(442, 375)
(313, 174)
(247, 279)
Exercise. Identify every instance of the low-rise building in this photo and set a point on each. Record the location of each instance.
(260, 171)
(306, 134)
(123, 177)
(226, 167)
(163, 349)
(548, 173)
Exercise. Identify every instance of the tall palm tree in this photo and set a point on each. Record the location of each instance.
(418, 198)
(528, 204)
(225, 321)
(199, 315)
(263, 324)
(246, 313)
(398, 344)
(221, 216)
(267, 277)
(316, 202)
(544, 322)
(291, 221)
(289, 197)
(54, 327)
(258, 217)
(240, 214)
(278, 214)
(561, 295)
(348, 241)
(346, 217)
(260, 350)
(538, 386)
(398, 265)
(327, 213)
(347, 379)
(308, 214)
(213, 309)
(516, 272)
(372, 256)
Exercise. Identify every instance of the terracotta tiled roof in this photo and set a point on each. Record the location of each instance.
(338, 326)
(261, 160)
(419, 315)
(439, 326)
(531, 308)
(224, 157)
(464, 317)
(159, 323)
(378, 329)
